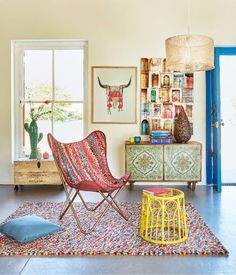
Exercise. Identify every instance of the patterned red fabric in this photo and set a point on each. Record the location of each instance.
(83, 164)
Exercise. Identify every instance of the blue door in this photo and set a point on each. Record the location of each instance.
(214, 120)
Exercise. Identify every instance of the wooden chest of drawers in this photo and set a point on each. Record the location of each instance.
(165, 162)
(30, 172)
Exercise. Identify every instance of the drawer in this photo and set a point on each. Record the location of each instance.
(31, 165)
(28, 172)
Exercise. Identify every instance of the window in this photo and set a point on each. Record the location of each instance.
(49, 79)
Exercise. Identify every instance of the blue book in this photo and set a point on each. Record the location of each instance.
(168, 140)
(160, 134)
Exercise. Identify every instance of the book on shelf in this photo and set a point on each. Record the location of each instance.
(159, 134)
(161, 140)
(157, 191)
(160, 131)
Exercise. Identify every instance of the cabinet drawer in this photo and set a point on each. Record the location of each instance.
(28, 172)
(145, 162)
(31, 165)
(182, 162)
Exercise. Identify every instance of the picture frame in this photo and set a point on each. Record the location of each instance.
(166, 80)
(114, 95)
(167, 110)
(177, 110)
(178, 80)
(164, 95)
(188, 81)
(187, 99)
(168, 125)
(176, 95)
(156, 124)
(189, 110)
(155, 80)
(156, 110)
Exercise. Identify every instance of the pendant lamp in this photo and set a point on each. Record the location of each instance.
(189, 53)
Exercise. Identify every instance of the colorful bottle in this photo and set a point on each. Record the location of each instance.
(145, 127)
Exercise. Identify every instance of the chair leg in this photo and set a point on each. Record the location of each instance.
(70, 197)
(114, 204)
(69, 204)
(68, 194)
(86, 206)
(119, 209)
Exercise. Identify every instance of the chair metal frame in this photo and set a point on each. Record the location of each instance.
(72, 193)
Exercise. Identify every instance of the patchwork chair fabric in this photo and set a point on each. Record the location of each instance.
(83, 166)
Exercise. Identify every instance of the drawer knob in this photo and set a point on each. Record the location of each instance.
(38, 164)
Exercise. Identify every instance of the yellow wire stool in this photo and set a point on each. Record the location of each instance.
(163, 217)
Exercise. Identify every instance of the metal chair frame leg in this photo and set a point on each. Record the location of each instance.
(108, 198)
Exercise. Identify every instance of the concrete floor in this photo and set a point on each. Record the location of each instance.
(217, 209)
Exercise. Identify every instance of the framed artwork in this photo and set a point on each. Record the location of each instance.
(156, 124)
(168, 124)
(156, 110)
(167, 110)
(178, 80)
(176, 95)
(189, 110)
(164, 94)
(166, 80)
(188, 83)
(114, 95)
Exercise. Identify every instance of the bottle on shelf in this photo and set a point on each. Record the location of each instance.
(145, 127)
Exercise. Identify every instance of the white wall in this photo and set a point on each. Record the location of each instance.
(119, 32)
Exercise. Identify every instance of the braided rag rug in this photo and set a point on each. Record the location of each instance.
(113, 236)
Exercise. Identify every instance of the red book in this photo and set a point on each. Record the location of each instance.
(155, 190)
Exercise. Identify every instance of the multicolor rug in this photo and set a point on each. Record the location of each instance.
(113, 236)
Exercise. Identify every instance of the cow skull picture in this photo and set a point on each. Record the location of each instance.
(114, 95)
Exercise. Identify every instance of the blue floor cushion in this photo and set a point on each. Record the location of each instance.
(28, 228)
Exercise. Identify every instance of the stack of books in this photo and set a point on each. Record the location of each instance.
(161, 137)
(158, 191)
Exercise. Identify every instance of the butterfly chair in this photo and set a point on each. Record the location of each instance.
(83, 166)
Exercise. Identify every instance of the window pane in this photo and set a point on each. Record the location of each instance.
(68, 121)
(42, 113)
(69, 74)
(38, 74)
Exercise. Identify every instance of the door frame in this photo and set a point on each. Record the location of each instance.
(213, 115)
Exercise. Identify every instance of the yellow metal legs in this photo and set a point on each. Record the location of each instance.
(163, 218)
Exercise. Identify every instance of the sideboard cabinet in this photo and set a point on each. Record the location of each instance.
(165, 162)
(31, 172)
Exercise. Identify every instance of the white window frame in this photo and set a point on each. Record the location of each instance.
(17, 82)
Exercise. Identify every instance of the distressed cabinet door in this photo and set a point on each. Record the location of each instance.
(145, 162)
(182, 162)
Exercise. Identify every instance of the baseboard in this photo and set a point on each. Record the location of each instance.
(229, 184)
(165, 183)
(6, 181)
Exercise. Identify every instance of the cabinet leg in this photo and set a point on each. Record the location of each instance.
(16, 188)
(192, 185)
(131, 185)
(189, 184)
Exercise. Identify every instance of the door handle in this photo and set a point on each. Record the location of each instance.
(216, 124)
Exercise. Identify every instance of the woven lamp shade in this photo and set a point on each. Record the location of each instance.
(189, 53)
